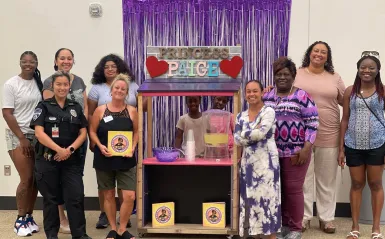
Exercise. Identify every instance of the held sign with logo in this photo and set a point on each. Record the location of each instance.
(119, 142)
(194, 62)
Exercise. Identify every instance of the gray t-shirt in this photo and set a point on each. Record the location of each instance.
(76, 91)
(101, 93)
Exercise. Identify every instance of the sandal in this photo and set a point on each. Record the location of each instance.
(127, 235)
(353, 234)
(305, 225)
(112, 234)
(376, 235)
(327, 227)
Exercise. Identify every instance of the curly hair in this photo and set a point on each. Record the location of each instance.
(328, 64)
(98, 76)
(377, 81)
(282, 63)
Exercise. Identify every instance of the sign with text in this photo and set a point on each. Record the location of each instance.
(194, 62)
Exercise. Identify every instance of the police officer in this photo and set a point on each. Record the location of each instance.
(60, 128)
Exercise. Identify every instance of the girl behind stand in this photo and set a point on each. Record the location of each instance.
(192, 120)
(220, 103)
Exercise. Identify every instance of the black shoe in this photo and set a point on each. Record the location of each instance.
(85, 236)
(103, 221)
(53, 238)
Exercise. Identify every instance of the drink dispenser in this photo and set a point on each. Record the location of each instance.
(216, 136)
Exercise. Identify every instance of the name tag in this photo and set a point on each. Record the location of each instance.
(108, 119)
(55, 132)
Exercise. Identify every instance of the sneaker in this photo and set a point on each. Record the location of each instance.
(284, 231)
(103, 221)
(31, 223)
(21, 228)
(294, 235)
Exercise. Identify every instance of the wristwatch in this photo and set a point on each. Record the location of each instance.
(72, 149)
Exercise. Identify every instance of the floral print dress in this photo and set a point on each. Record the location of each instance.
(260, 202)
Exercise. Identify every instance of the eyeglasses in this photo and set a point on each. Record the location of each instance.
(28, 62)
(113, 67)
(371, 53)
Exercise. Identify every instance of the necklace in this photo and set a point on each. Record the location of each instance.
(280, 98)
(362, 91)
(311, 73)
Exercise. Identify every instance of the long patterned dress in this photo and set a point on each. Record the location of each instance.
(260, 202)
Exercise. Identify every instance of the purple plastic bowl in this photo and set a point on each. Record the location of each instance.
(165, 154)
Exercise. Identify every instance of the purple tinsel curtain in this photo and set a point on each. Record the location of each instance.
(261, 27)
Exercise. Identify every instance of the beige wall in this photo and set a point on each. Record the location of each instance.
(44, 26)
(349, 26)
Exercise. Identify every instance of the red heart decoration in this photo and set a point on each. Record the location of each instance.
(156, 68)
(231, 67)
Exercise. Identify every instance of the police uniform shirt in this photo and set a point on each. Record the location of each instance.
(62, 125)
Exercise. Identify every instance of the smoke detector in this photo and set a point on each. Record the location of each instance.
(95, 9)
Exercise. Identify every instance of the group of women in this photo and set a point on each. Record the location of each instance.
(293, 138)
(46, 139)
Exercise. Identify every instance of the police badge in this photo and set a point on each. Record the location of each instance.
(73, 113)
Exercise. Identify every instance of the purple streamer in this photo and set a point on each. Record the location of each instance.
(261, 27)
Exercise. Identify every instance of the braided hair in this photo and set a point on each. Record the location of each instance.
(36, 73)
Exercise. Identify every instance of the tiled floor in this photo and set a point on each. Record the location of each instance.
(7, 219)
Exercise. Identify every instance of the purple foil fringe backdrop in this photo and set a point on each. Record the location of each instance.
(261, 27)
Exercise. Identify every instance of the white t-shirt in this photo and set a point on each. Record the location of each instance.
(22, 96)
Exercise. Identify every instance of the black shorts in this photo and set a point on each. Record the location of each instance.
(358, 157)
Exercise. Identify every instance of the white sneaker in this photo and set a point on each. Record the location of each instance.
(31, 223)
(21, 228)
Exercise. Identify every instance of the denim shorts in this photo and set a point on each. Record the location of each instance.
(13, 142)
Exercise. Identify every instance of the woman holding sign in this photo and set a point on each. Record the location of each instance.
(105, 72)
(116, 165)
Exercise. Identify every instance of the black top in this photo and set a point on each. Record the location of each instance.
(68, 120)
(120, 121)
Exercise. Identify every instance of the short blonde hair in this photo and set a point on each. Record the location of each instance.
(121, 77)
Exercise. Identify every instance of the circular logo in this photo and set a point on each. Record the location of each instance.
(213, 215)
(163, 214)
(119, 143)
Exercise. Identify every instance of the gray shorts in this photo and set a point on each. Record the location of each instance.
(123, 179)
(13, 142)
